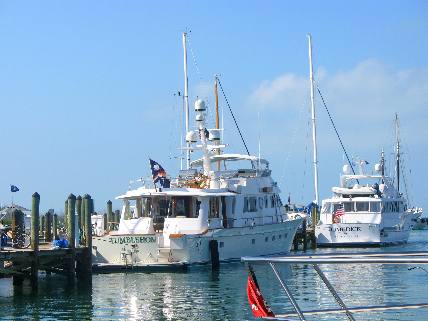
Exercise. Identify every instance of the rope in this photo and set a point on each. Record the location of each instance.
(337, 133)
(234, 119)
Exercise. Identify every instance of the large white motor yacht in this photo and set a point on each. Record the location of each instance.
(366, 209)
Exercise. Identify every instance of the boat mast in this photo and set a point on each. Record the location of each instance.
(314, 129)
(217, 118)
(186, 98)
(397, 164)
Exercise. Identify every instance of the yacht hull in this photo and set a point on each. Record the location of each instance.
(149, 249)
(359, 234)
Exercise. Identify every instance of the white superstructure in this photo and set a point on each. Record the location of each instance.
(366, 209)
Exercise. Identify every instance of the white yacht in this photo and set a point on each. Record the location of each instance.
(210, 211)
(366, 209)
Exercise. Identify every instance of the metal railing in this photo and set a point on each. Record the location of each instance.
(343, 258)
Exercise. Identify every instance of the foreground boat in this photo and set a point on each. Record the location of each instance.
(202, 215)
(261, 309)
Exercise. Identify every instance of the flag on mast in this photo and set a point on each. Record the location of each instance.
(159, 174)
(14, 188)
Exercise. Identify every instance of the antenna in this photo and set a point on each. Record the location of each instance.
(186, 96)
(397, 165)
(217, 120)
(314, 130)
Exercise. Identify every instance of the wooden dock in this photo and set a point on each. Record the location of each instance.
(305, 236)
(73, 261)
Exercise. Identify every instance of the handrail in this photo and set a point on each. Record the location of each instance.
(408, 257)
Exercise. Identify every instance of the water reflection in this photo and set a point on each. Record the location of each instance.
(202, 294)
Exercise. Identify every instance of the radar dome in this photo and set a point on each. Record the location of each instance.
(346, 169)
(191, 137)
(200, 105)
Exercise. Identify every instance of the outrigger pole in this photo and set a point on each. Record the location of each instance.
(186, 98)
(314, 130)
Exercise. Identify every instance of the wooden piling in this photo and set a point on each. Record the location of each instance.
(88, 224)
(71, 232)
(105, 222)
(117, 218)
(18, 228)
(35, 239)
(110, 218)
(305, 234)
(65, 214)
(55, 226)
(42, 227)
(48, 227)
(79, 216)
(84, 268)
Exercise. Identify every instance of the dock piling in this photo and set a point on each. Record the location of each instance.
(110, 218)
(35, 239)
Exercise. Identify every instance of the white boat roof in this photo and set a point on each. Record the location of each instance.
(142, 191)
(360, 176)
(230, 157)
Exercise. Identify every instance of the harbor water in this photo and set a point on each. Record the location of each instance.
(200, 294)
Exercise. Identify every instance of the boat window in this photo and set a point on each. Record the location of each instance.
(214, 207)
(266, 201)
(163, 207)
(261, 202)
(181, 206)
(348, 206)
(245, 204)
(362, 206)
(326, 208)
(252, 204)
(374, 207)
(272, 201)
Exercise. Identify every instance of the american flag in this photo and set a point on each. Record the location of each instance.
(340, 211)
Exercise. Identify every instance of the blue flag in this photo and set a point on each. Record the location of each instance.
(13, 188)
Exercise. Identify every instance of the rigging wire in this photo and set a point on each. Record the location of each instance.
(337, 133)
(234, 119)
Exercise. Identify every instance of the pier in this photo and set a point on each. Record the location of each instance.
(23, 261)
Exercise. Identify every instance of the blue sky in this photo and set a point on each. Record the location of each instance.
(87, 89)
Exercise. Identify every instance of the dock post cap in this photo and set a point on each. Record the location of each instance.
(79, 197)
(36, 195)
(108, 202)
(87, 196)
(71, 196)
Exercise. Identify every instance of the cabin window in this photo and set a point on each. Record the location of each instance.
(326, 208)
(362, 206)
(214, 211)
(272, 201)
(261, 202)
(266, 239)
(182, 206)
(273, 238)
(250, 204)
(163, 207)
(221, 244)
(374, 207)
(348, 206)
(253, 241)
